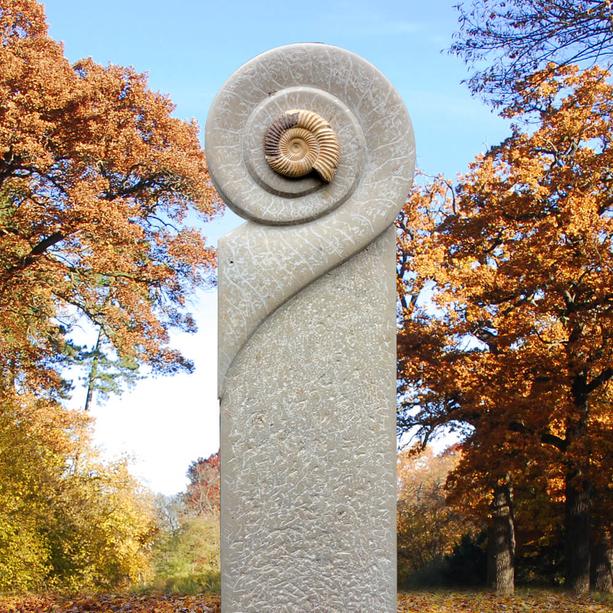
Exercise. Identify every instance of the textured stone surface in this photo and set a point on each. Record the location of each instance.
(370, 185)
(308, 449)
(306, 338)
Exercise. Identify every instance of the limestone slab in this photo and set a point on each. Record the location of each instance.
(309, 450)
(331, 221)
(307, 359)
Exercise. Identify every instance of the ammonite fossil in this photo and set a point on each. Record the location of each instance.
(299, 142)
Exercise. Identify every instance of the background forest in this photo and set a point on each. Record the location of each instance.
(504, 317)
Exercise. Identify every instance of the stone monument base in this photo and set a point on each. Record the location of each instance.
(308, 448)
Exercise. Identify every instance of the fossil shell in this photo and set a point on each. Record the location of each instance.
(299, 142)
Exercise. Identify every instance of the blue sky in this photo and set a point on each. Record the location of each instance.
(189, 48)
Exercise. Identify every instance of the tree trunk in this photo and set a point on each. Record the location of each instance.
(602, 561)
(501, 542)
(93, 372)
(578, 533)
(578, 495)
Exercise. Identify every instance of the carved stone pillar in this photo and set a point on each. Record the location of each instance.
(314, 147)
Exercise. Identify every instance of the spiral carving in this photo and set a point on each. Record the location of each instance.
(282, 101)
(300, 142)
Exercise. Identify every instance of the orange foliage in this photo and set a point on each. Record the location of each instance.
(412, 602)
(97, 182)
(506, 287)
(428, 529)
(160, 603)
(202, 496)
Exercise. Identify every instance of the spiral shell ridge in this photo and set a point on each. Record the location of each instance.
(300, 142)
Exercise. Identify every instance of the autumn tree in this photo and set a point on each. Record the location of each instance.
(99, 184)
(103, 194)
(68, 521)
(506, 41)
(428, 529)
(202, 494)
(510, 341)
(187, 548)
(501, 548)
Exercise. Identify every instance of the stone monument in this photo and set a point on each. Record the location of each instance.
(314, 147)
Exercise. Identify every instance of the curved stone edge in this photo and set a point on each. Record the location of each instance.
(262, 266)
(242, 311)
(335, 72)
(304, 488)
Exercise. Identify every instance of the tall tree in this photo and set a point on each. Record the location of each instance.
(102, 197)
(516, 352)
(67, 521)
(505, 41)
(98, 182)
(202, 494)
(428, 529)
(501, 539)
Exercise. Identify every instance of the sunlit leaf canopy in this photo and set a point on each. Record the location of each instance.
(101, 190)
